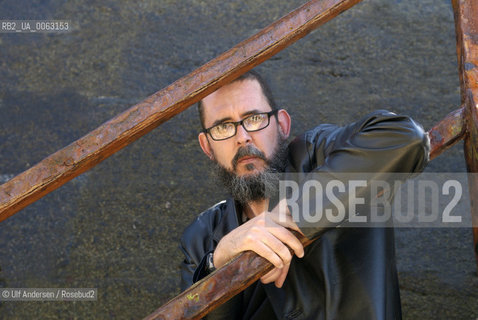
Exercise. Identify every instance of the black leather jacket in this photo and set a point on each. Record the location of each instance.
(348, 273)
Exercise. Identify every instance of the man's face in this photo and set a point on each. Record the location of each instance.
(234, 102)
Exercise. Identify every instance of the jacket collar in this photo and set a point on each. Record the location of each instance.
(231, 211)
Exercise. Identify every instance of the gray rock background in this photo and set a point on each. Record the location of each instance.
(116, 227)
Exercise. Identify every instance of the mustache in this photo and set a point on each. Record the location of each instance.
(247, 151)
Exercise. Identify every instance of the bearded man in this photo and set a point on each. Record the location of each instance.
(348, 273)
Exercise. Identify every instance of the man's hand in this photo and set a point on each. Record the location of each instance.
(266, 235)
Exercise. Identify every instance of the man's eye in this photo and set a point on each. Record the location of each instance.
(256, 118)
(223, 127)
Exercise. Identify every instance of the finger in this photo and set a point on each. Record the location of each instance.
(288, 238)
(276, 245)
(271, 276)
(281, 215)
(282, 276)
(267, 253)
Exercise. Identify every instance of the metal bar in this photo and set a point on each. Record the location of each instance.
(466, 27)
(446, 133)
(221, 285)
(88, 151)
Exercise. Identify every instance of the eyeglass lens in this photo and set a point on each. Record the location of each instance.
(226, 130)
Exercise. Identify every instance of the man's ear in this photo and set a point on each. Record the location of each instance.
(284, 122)
(205, 146)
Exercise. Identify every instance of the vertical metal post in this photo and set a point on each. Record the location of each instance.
(466, 27)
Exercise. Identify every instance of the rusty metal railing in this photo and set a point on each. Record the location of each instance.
(125, 128)
(466, 28)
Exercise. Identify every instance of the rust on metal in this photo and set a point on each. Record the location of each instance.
(466, 27)
(215, 289)
(221, 285)
(446, 133)
(140, 119)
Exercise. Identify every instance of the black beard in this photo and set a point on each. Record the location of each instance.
(258, 186)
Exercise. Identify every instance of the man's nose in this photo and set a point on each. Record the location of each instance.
(242, 136)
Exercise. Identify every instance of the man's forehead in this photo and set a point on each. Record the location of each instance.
(238, 97)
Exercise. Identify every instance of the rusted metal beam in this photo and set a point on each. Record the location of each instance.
(446, 133)
(88, 151)
(210, 292)
(466, 27)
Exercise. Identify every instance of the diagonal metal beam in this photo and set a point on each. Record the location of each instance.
(447, 132)
(221, 285)
(466, 27)
(99, 144)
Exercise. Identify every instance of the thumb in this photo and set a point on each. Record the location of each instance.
(282, 216)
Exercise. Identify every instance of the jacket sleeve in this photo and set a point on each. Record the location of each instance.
(379, 144)
(195, 252)
(188, 267)
(193, 269)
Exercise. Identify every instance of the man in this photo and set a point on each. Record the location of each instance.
(348, 273)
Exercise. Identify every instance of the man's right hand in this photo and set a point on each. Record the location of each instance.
(266, 237)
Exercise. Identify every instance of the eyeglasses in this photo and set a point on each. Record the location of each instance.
(254, 122)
